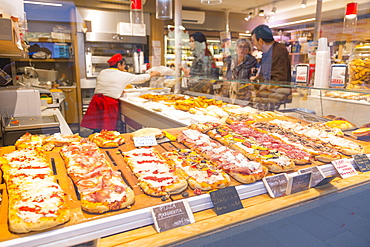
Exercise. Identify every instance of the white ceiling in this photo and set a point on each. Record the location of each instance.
(287, 10)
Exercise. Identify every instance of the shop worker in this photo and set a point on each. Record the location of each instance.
(103, 111)
(275, 68)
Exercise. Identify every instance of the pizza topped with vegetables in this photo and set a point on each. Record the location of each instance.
(199, 172)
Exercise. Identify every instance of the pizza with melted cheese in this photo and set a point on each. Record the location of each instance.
(36, 201)
(155, 176)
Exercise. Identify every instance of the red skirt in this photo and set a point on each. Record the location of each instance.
(102, 113)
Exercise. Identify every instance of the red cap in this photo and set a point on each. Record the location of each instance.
(115, 59)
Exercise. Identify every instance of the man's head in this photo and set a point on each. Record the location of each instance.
(117, 61)
(262, 34)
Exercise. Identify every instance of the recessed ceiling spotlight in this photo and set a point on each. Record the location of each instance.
(261, 12)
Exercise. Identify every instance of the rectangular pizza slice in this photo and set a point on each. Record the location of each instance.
(101, 188)
(156, 177)
(36, 201)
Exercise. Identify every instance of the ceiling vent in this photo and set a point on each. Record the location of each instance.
(193, 17)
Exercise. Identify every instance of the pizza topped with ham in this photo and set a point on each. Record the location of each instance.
(36, 201)
(232, 162)
(155, 176)
(101, 188)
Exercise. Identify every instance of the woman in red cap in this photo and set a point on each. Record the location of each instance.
(103, 110)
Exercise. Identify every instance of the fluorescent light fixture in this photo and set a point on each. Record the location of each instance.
(273, 11)
(210, 2)
(44, 3)
(261, 12)
(292, 22)
(245, 34)
(304, 4)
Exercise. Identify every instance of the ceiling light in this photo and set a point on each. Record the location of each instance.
(261, 12)
(351, 10)
(250, 15)
(273, 11)
(44, 3)
(304, 4)
(293, 22)
(210, 2)
(245, 34)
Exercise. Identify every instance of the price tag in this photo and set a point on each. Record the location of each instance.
(276, 185)
(145, 141)
(317, 175)
(344, 168)
(362, 162)
(299, 183)
(172, 215)
(226, 200)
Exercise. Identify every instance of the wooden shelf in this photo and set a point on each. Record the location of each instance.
(48, 40)
(48, 60)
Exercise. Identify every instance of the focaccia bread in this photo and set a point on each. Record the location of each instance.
(155, 176)
(107, 139)
(232, 162)
(157, 133)
(36, 201)
(101, 188)
(59, 140)
(199, 172)
(28, 140)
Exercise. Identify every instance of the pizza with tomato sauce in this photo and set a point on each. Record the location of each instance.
(36, 201)
(230, 161)
(101, 188)
(155, 176)
(107, 139)
(199, 172)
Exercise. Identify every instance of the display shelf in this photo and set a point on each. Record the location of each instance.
(47, 60)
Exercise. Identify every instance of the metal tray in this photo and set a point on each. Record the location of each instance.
(304, 115)
(30, 122)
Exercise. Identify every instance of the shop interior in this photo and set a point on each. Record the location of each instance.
(51, 52)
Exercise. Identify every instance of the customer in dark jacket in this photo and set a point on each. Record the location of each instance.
(239, 67)
(275, 67)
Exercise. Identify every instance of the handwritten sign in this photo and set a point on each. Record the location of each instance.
(344, 168)
(145, 141)
(277, 185)
(226, 200)
(172, 215)
(362, 162)
(317, 175)
(299, 183)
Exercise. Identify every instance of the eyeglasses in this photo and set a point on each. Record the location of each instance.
(243, 47)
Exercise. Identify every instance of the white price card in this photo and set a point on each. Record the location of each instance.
(145, 141)
(344, 167)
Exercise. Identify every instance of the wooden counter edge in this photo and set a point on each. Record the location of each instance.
(147, 236)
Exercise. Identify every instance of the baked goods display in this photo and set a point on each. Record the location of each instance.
(232, 162)
(204, 157)
(155, 176)
(341, 124)
(107, 139)
(199, 172)
(100, 187)
(36, 201)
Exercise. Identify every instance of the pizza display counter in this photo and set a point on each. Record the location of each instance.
(134, 225)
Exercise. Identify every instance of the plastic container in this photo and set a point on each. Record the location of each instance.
(359, 67)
